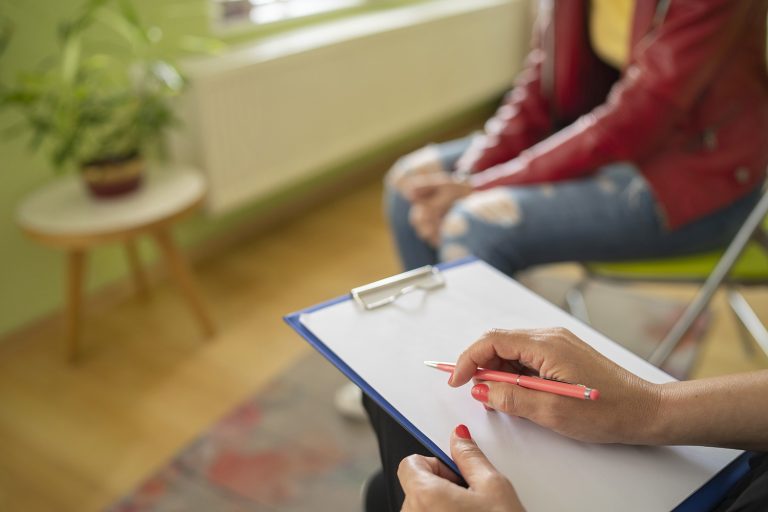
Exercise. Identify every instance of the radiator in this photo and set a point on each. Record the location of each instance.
(269, 115)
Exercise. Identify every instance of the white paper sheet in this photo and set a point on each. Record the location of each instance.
(387, 347)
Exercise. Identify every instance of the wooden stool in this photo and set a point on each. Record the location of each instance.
(63, 215)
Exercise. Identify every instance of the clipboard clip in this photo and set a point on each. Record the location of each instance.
(387, 291)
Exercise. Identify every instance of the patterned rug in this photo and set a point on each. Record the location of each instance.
(286, 448)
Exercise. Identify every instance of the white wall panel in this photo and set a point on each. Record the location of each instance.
(266, 116)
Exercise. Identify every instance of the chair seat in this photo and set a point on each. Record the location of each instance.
(752, 267)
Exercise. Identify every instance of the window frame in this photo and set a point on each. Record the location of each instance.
(244, 24)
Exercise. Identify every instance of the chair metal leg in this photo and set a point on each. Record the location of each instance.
(576, 303)
(749, 319)
(745, 336)
(713, 282)
(692, 313)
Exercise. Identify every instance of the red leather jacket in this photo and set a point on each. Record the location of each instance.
(690, 109)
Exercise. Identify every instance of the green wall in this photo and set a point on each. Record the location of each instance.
(32, 276)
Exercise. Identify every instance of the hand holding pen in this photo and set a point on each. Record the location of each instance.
(627, 405)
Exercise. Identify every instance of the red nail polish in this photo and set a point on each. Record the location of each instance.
(463, 432)
(480, 392)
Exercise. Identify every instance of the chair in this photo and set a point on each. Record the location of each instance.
(743, 263)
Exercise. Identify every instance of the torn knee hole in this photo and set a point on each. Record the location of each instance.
(495, 206)
(453, 251)
(455, 224)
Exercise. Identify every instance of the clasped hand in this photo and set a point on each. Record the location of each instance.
(432, 196)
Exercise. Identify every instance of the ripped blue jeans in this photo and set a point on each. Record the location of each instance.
(609, 216)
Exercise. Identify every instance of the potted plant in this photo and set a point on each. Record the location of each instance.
(101, 113)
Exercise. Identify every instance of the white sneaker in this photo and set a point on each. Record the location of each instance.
(349, 402)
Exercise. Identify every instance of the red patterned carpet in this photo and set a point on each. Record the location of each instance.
(285, 449)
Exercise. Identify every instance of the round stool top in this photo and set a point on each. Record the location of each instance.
(64, 208)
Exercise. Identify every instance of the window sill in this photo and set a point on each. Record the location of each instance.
(316, 35)
(243, 30)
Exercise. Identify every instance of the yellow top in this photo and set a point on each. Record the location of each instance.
(610, 22)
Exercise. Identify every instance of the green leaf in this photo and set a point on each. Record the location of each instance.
(168, 75)
(130, 14)
(6, 33)
(18, 97)
(131, 32)
(70, 61)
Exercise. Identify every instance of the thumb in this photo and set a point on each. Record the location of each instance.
(422, 187)
(474, 465)
(421, 191)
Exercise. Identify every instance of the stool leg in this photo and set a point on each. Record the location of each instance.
(180, 272)
(75, 271)
(134, 262)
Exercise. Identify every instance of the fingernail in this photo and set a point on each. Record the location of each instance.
(463, 432)
(480, 392)
(489, 409)
(450, 379)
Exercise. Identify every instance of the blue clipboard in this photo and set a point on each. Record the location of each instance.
(705, 498)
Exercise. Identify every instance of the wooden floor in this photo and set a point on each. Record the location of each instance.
(75, 438)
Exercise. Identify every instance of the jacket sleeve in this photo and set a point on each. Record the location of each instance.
(522, 120)
(672, 65)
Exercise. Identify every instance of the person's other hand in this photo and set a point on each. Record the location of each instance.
(431, 197)
(422, 162)
(426, 222)
(626, 412)
(429, 485)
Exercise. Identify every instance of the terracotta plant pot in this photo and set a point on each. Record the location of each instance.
(110, 177)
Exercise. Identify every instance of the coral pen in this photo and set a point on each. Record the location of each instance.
(537, 383)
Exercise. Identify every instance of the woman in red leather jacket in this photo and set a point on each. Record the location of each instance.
(583, 161)
(662, 154)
